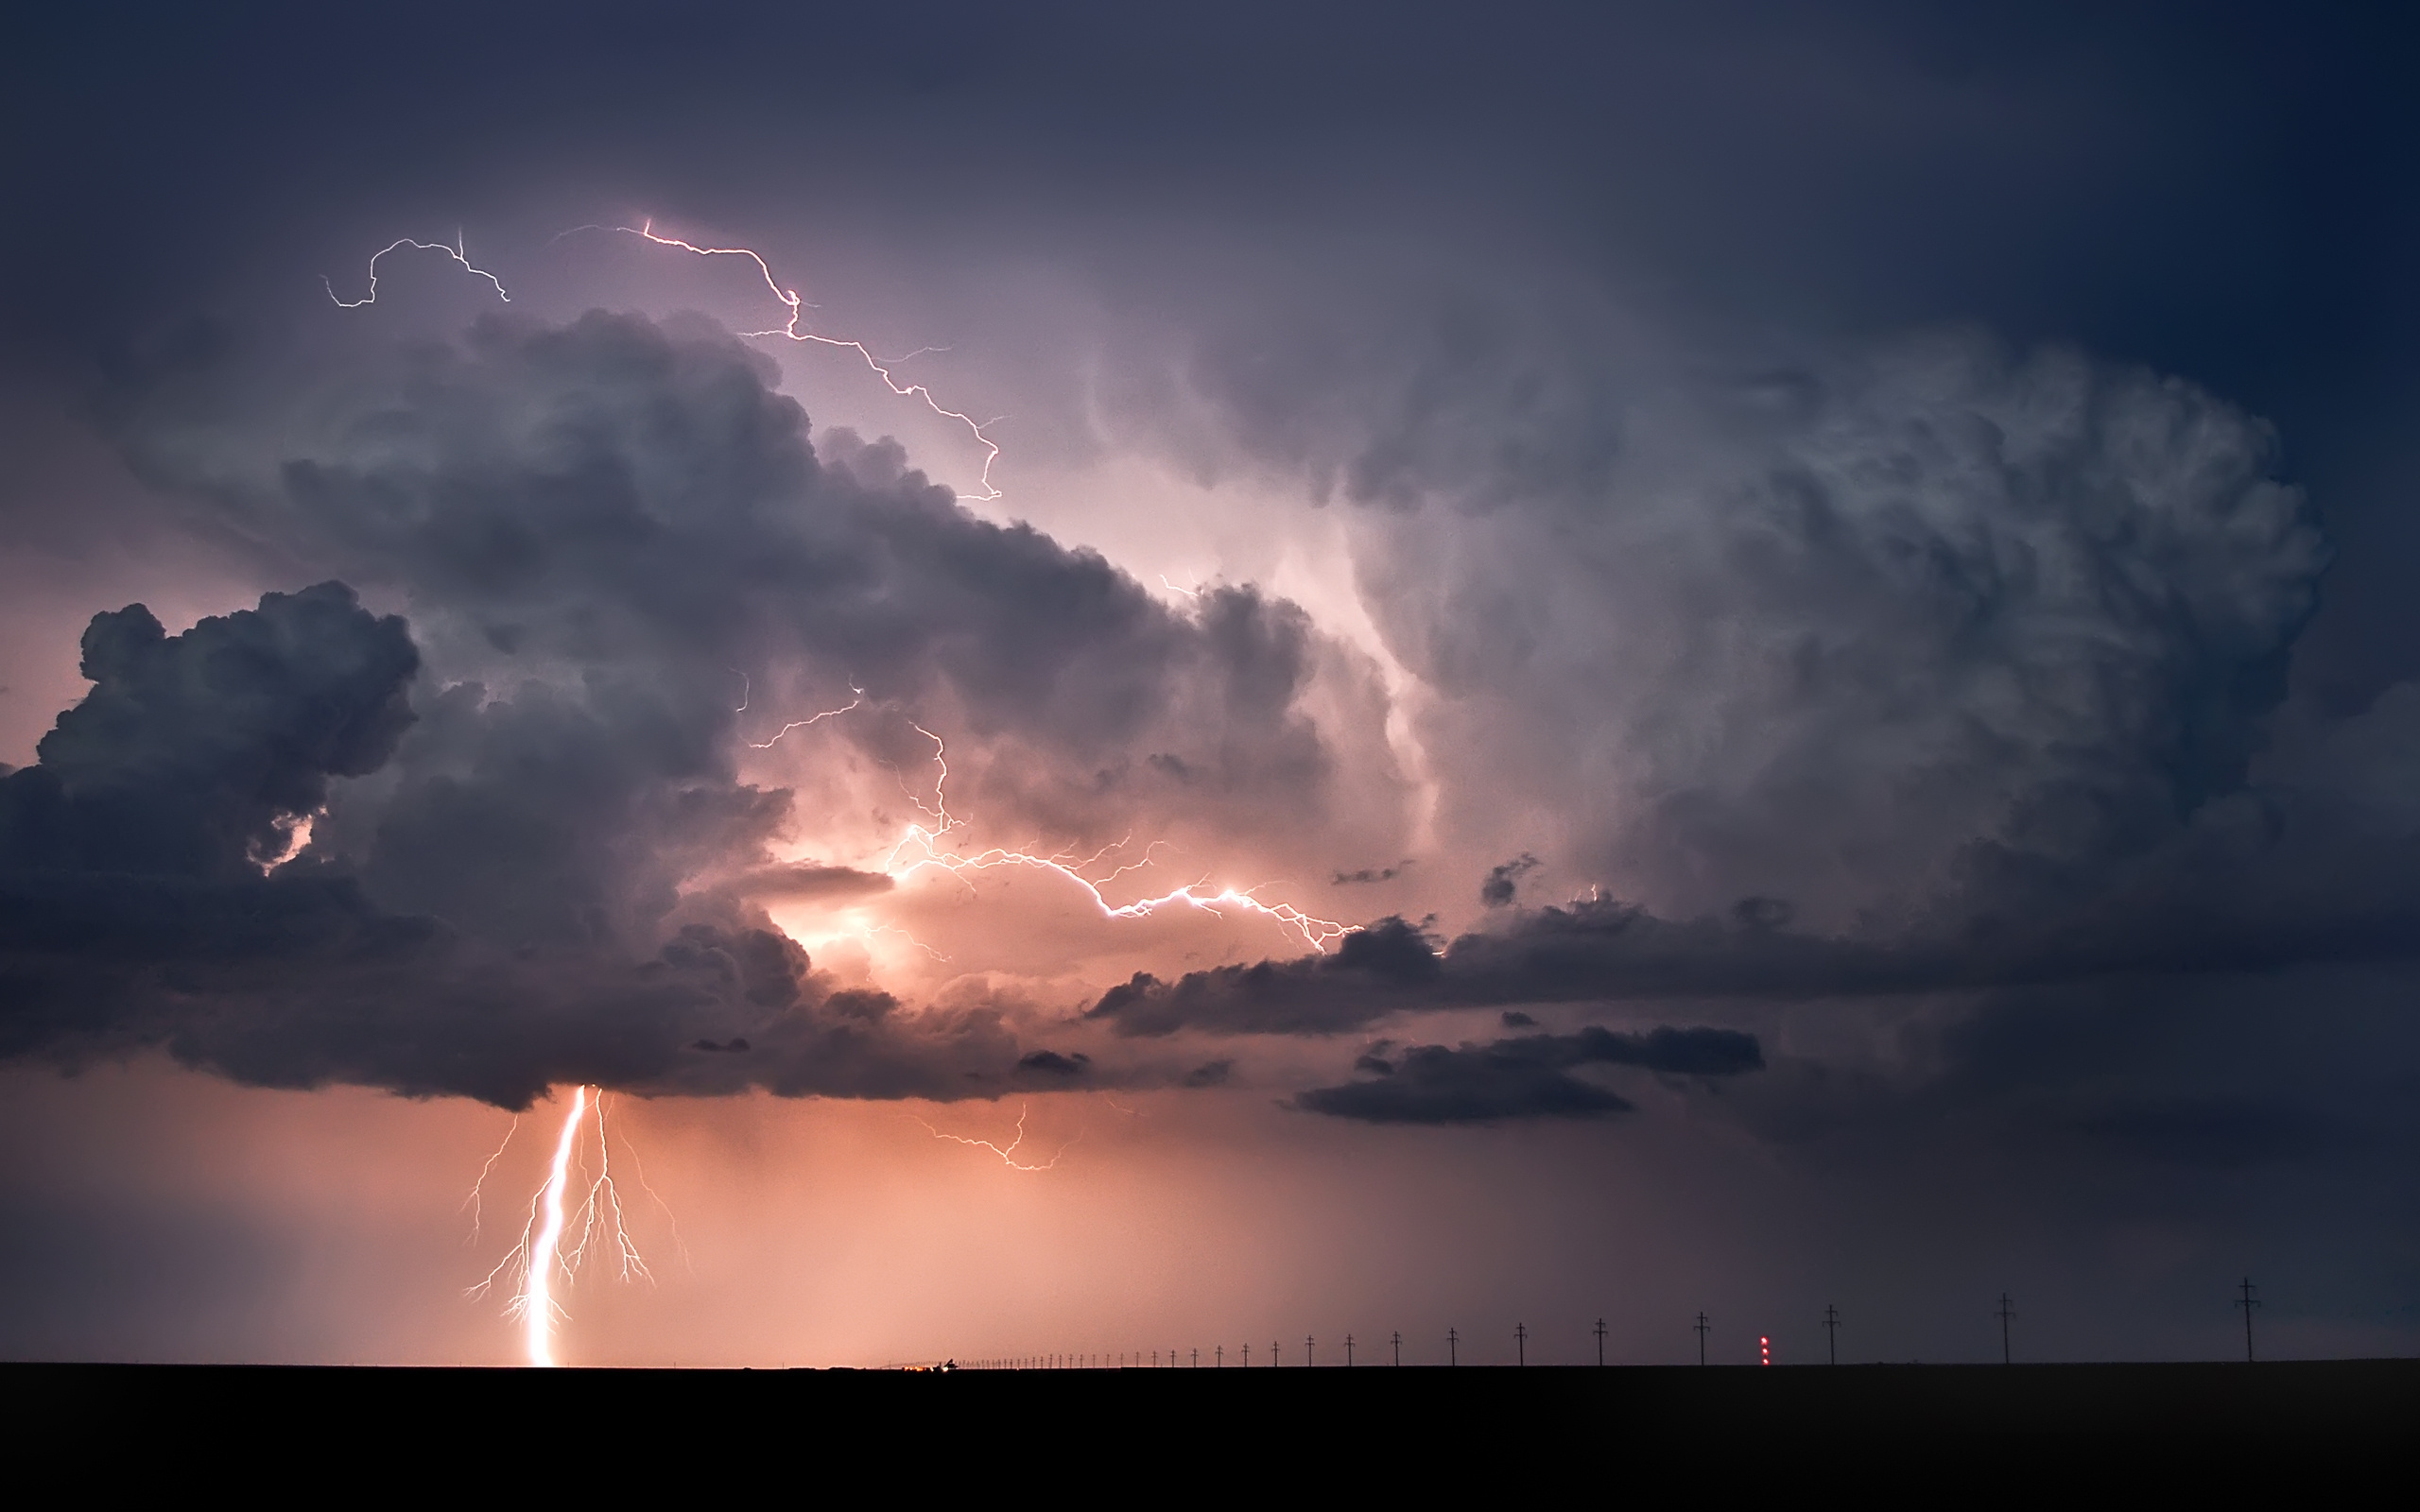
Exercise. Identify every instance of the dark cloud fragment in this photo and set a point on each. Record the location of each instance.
(1370, 874)
(1052, 1063)
(1524, 1077)
(1504, 881)
(1368, 973)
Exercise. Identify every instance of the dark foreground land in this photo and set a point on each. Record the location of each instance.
(1984, 1427)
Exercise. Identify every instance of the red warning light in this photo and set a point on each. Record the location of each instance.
(1764, 1349)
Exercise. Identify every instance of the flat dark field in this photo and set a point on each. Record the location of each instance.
(2238, 1404)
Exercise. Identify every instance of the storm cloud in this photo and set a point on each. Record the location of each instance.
(507, 845)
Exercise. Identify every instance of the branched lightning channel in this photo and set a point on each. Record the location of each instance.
(801, 724)
(1008, 1152)
(478, 1188)
(788, 330)
(534, 1265)
(923, 844)
(454, 251)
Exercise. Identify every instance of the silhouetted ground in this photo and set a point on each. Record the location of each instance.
(1965, 1432)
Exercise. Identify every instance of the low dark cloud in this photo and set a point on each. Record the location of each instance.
(1524, 1077)
(2260, 883)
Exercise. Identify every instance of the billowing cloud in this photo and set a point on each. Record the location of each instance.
(511, 844)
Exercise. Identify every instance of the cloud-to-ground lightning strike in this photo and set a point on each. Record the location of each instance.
(1008, 1152)
(543, 1256)
(453, 251)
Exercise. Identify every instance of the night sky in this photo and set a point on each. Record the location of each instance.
(1351, 669)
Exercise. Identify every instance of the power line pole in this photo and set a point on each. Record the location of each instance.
(1306, 1348)
(1197, 1359)
(1453, 1342)
(1398, 1346)
(2004, 1312)
(1348, 1352)
(2247, 1301)
(1273, 1360)
(1521, 1343)
(1601, 1342)
(1218, 1358)
(1700, 1327)
(1832, 1329)
(1247, 1362)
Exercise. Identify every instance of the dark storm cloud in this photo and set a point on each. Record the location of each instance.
(1524, 1077)
(143, 901)
(542, 865)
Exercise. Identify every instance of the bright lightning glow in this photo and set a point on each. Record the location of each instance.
(788, 330)
(538, 1299)
(1008, 1152)
(543, 1256)
(453, 251)
(925, 844)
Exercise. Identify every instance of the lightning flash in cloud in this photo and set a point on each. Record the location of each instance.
(791, 330)
(924, 843)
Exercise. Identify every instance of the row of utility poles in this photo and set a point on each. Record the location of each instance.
(2246, 1300)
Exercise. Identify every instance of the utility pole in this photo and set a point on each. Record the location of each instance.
(1521, 1344)
(1398, 1346)
(1832, 1330)
(1601, 1342)
(1348, 1352)
(1197, 1359)
(1306, 1348)
(1273, 1360)
(1246, 1363)
(1453, 1343)
(1218, 1358)
(2004, 1312)
(2247, 1301)
(1700, 1327)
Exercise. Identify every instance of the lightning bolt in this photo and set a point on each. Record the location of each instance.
(923, 844)
(789, 329)
(597, 1224)
(478, 1187)
(801, 724)
(1007, 1153)
(454, 251)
